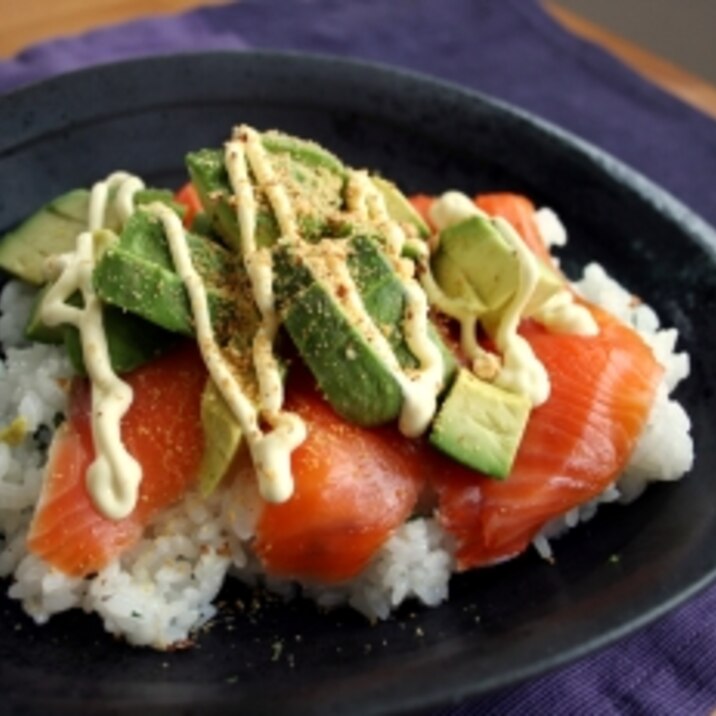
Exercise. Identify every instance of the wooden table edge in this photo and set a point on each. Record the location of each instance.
(688, 87)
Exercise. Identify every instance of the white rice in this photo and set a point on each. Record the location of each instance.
(163, 589)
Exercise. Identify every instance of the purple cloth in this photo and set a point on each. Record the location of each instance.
(512, 50)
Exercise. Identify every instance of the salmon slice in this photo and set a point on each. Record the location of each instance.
(574, 447)
(162, 430)
(353, 487)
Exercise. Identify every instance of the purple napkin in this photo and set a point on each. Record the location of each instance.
(512, 50)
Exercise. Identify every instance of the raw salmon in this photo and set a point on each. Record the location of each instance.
(189, 197)
(353, 487)
(162, 430)
(574, 447)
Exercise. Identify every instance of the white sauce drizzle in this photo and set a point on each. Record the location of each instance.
(260, 270)
(560, 314)
(113, 478)
(421, 388)
(522, 372)
(270, 451)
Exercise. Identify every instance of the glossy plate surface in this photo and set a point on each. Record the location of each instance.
(501, 624)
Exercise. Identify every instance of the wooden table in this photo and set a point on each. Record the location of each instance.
(25, 22)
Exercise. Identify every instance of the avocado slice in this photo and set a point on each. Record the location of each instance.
(149, 195)
(481, 425)
(398, 206)
(202, 225)
(313, 177)
(475, 263)
(131, 341)
(315, 180)
(548, 284)
(137, 275)
(348, 371)
(303, 151)
(53, 229)
(351, 374)
(211, 180)
(549, 281)
(383, 296)
(36, 330)
(222, 437)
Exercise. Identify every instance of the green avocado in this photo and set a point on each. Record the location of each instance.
(350, 372)
(202, 225)
(476, 264)
(137, 275)
(303, 151)
(549, 283)
(347, 369)
(481, 425)
(399, 208)
(54, 228)
(222, 437)
(131, 341)
(383, 296)
(313, 177)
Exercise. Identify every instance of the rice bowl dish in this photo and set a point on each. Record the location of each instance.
(160, 589)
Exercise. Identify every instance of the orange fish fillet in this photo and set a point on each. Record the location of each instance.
(353, 488)
(162, 430)
(574, 447)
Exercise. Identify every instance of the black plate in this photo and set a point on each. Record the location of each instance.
(143, 116)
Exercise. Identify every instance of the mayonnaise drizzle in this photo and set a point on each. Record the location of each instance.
(113, 478)
(270, 451)
(259, 268)
(421, 388)
(449, 209)
(522, 372)
(560, 314)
